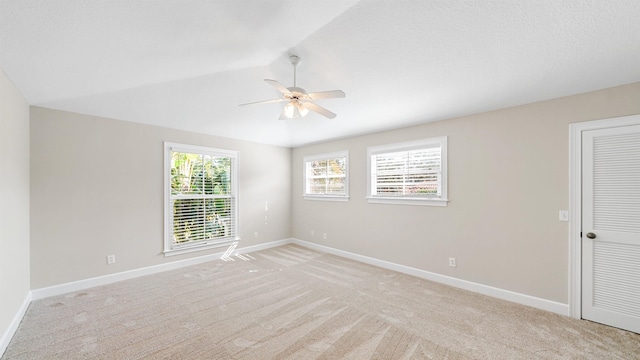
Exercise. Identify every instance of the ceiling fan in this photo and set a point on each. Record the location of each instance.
(299, 102)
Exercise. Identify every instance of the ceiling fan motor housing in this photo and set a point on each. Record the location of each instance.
(297, 93)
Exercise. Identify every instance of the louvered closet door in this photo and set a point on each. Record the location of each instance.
(611, 226)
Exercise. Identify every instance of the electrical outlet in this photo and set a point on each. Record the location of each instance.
(452, 262)
(111, 259)
(255, 235)
(313, 233)
(324, 236)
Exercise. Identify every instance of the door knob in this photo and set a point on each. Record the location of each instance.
(591, 235)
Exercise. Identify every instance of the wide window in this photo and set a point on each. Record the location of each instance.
(326, 176)
(201, 198)
(409, 173)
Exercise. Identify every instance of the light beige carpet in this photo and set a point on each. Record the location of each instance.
(293, 303)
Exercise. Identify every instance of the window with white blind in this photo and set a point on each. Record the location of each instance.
(412, 173)
(326, 176)
(201, 198)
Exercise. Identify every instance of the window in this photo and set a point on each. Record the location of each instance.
(408, 173)
(326, 176)
(201, 198)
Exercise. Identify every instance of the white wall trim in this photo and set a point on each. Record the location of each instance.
(508, 295)
(575, 203)
(65, 288)
(575, 221)
(17, 318)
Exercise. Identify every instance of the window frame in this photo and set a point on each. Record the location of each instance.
(326, 156)
(170, 248)
(442, 200)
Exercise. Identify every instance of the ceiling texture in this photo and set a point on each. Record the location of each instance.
(188, 64)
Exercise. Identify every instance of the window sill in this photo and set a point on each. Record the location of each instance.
(199, 247)
(408, 201)
(326, 198)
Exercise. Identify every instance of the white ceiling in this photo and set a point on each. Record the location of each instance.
(188, 64)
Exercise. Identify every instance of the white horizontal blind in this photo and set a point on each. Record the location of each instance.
(203, 197)
(407, 173)
(326, 175)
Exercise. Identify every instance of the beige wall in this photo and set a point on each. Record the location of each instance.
(14, 201)
(508, 178)
(97, 189)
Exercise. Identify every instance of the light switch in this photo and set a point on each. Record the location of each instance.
(563, 215)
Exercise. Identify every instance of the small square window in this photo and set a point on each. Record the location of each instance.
(326, 176)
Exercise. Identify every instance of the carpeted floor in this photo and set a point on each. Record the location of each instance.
(293, 303)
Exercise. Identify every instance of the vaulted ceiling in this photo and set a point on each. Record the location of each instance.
(189, 64)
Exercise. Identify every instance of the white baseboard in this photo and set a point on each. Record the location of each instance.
(65, 288)
(539, 303)
(15, 322)
(264, 246)
(552, 306)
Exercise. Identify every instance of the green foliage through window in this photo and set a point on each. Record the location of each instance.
(202, 198)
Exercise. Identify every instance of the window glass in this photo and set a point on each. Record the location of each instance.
(406, 172)
(201, 202)
(326, 176)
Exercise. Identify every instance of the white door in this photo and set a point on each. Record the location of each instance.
(611, 226)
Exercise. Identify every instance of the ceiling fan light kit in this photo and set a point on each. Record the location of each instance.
(299, 102)
(294, 110)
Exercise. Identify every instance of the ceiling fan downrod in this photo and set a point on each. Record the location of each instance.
(295, 60)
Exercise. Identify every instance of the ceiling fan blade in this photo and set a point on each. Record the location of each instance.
(278, 86)
(264, 102)
(327, 94)
(319, 109)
